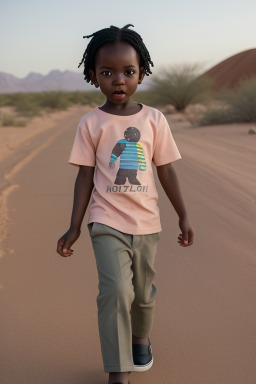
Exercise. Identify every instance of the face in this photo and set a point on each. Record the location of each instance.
(117, 71)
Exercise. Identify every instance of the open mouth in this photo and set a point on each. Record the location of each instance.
(119, 92)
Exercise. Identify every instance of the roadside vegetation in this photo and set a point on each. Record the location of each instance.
(24, 106)
(235, 106)
(178, 88)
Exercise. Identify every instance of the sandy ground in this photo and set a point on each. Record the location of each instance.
(204, 331)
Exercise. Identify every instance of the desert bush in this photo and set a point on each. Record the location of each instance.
(145, 97)
(240, 105)
(79, 98)
(30, 104)
(27, 105)
(214, 116)
(10, 120)
(86, 98)
(180, 86)
(4, 100)
(95, 98)
(242, 100)
(54, 100)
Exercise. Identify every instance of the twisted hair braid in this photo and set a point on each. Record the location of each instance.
(114, 35)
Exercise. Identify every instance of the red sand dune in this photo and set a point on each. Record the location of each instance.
(231, 71)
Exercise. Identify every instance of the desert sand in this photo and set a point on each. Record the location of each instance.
(204, 330)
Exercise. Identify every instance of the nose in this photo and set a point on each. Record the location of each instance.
(119, 79)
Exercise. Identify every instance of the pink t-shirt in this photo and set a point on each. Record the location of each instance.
(122, 149)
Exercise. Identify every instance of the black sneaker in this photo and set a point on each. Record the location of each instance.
(142, 357)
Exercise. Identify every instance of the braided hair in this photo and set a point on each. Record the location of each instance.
(114, 35)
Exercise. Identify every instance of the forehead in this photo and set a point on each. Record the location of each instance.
(117, 52)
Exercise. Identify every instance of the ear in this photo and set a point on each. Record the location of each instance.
(93, 78)
(142, 74)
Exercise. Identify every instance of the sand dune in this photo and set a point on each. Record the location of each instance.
(204, 331)
(231, 71)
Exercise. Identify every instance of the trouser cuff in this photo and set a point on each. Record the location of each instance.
(117, 368)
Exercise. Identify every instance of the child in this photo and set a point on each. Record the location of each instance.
(114, 147)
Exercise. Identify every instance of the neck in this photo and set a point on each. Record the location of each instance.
(124, 109)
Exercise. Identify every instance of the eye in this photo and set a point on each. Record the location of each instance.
(106, 73)
(129, 72)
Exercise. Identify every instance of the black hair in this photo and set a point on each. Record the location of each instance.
(113, 35)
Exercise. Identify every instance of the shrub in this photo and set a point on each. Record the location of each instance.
(4, 100)
(79, 98)
(55, 100)
(243, 100)
(95, 98)
(145, 97)
(26, 105)
(240, 105)
(217, 116)
(180, 87)
(10, 120)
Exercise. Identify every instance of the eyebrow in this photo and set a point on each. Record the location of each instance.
(126, 66)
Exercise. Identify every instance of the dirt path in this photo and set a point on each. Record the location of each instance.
(204, 330)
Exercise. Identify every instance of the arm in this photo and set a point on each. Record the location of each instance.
(82, 193)
(170, 184)
(117, 151)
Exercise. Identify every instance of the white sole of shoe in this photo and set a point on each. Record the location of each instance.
(143, 368)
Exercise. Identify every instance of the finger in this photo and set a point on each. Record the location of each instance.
(60, 245)
(185, 238)
(69, 252)
(64, 254)
(66, 247)
(190, 236)
(182, 244)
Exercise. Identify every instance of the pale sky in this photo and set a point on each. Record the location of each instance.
(39, 36)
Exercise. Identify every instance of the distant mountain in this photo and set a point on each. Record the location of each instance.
(35, 82)
(54, 81)
(229, 72)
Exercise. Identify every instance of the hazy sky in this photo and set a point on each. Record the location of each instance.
(43, 35)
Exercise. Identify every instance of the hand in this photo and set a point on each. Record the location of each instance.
(185, 238)
(66, 241)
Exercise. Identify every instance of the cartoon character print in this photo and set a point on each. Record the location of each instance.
(131, 157)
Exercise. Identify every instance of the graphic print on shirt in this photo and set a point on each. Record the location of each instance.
(131, 157)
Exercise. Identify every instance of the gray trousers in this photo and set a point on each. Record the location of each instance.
(127, 292)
